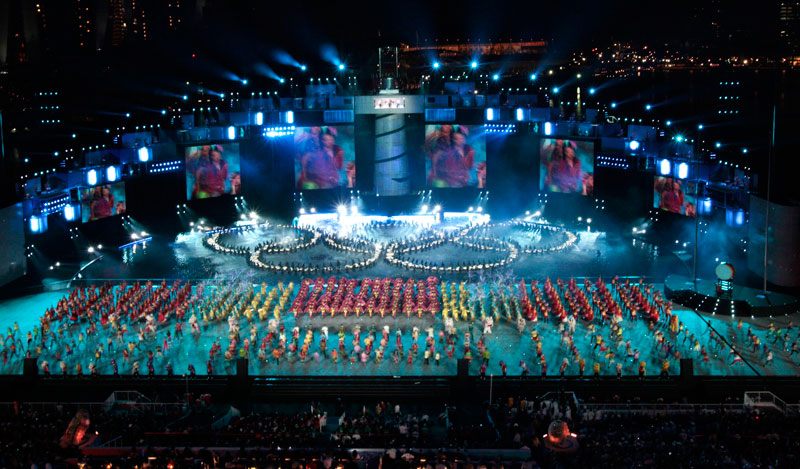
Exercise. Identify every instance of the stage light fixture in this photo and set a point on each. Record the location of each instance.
(555, 90)
(533, 76)
(744, 150)
(437, 209)
(244, 81)
(717, 145)
(489, 114)
(633, 145)
(647, 107)
(480, 209)
(474, 64)
(127, 114)
(112, 174)
(679, 138)
(341, 66)
(683, 170)
(281, 80)
(90, 250)
(613, 105)
(436, 65)
(664, 167)
(592, 91)
(313, 210)
(70, 213)
(342, 210)
(290, 117)
(92, 177)
(699, 126)
(424, 208)
(495, 77)
(259, 118)
(231, 133)
(144, 154)
(302, 211)
(548, 128)
(520, 114)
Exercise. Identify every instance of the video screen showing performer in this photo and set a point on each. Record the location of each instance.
(213, 170)
(102, 201)
(455, 156)
(674, 195)
(567, 166)
(324, 157)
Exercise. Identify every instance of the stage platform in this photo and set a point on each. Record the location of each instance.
(743, 302)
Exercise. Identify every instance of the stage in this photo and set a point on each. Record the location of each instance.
(743, 302)
(186, 255)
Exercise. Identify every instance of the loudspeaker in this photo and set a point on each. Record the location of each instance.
(29, 368)
(463, 368)
(687, 368)
(241, 367)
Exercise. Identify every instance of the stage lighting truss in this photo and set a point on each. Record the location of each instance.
(54, 205)
(612, 162)
(500, 128)
(274, 132)
(164, 167)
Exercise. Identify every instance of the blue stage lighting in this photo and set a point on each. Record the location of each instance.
(185, 98)
(244, 81)
(613, 105)
(37, 224)
(718, 145)
(520, 114)
(112, 174)
(533, 76)
(436, 65)
(127, 114)
(548, 128)
(664, 167)
(592, 91)
(231, 133)
(699, 126)
(474, 64)
(647, 107)
(555, 90)
(290, 117)
(683, 170)
(707, 205)
(70, 212)
(489, 114)
(281, 80)
(669, 123)
(92, 177)
(341, 66)
(744, 150)
(633, 145)
(259, 118)
(303, 68)
(144, 154)
(495, 77)
(679, 138)
(163, 113)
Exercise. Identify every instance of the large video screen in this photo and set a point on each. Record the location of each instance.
(567, 166)
(102, 201)
(455, 155)
(324, 157)
(12, 237)
(213, 170)
(675, 195)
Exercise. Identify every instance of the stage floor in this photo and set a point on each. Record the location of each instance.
(186, 257)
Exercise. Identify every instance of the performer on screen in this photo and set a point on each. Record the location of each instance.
(451, 157)
(320, 160)
(102, 203)
(211, 177)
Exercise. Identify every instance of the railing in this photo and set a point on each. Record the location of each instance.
(761, 399)
(661, 409)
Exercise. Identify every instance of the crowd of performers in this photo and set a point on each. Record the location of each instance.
(141, 328)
